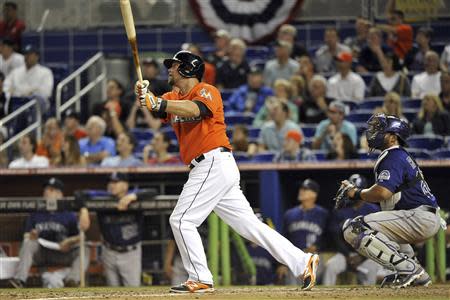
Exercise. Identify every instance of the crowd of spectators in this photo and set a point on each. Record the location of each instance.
(294, 87)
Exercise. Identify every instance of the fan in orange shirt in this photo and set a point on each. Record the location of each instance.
(195, 111)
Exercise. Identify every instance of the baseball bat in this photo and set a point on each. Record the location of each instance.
(128, 21)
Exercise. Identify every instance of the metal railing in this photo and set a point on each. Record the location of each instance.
(80, 92)
(33, 126)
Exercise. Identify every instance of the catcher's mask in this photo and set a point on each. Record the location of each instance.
(380, 124)
(358, 180)
(191, 65)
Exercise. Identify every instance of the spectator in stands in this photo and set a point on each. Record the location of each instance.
(209, 76)
(141, 118)
(114, 102)
(445, 59)
(11, 27)
(445, 90)
(95, 147)
(428, 81)
(325, 131)
(233, 72)
(293, 150)
(250, 97)
(240, 139)
(346, 85)
(400, 35)
(372, 56)
(28, 159)
(51, 142)
(304, 225)
(71, 155)
(432, 117)
(307, 69)
(392, 106)
(298, 89)
(72, 124)
(342, 148)
(324, 56)
(31, 80)
(288, 33)
(222, 40)
(114, 126)
(314, 108)
(150, 72)
(415, 59)
(60, 229)
(9, 59)
(273, 133)
(282, 66)
(390, 79)
(4, 161)
(3, 108)
(346, 258)
(157, 152)
(356, 43)
(125, 144)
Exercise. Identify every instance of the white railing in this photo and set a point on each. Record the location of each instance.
(80, 92)
(33, 126)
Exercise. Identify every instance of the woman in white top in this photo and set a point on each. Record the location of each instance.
(390, 79)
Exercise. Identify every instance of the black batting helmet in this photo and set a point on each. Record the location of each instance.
(191, 65)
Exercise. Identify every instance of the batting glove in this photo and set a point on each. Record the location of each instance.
(141, 88)
(151, 102)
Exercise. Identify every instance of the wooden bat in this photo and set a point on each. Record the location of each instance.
(128, 21)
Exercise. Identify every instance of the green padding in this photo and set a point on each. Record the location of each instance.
(213, 249)
(225, 253)
(247, 261)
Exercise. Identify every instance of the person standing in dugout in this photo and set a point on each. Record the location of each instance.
(195, 111)
(410, 213)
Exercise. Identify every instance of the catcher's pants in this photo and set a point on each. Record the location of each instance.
(213, 184)
(122, 268)
(367, 271)
(32, 253)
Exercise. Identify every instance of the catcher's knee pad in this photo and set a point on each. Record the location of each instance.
(352, 230)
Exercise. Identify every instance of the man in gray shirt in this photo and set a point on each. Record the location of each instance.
(324, 59)
(125, 144)
(282, 66)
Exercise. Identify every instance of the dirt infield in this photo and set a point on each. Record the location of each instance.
(245, 293)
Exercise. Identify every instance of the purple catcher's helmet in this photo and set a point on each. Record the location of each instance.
(358, 180)
(380, 124)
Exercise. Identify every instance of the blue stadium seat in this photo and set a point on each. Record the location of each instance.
(253, 132)
(257, 52)
(263, 157)
(320, 155)
(351, 104)
(426, 142)
(410, 114)
(140, 146)
(307, 142)
(411, 103)
(370, 103)
(169, 132)
(359, 116)
(142, 134)
(226, 93)
(241, 156)
(419, 153)
(360, 128)
(367, 77)
(368, 155)
(441, 153)
(233, 118)
(308, 129)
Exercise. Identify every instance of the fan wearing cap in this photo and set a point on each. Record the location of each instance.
(282, 66)
(222, 40)
(325, 131)
(59, 228)
(293, 150)
(346, 85)
(346, 258)
(304, 224)
(251, 96)
(122, 234)
(31, 80)
(9, 59)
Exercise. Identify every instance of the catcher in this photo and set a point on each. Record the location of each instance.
(410, 213)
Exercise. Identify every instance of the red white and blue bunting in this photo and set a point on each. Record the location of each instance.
(251, 20)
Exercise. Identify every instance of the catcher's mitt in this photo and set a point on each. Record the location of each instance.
(342, 199)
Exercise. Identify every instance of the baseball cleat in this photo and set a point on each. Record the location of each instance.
(422, 280)
(309, 276)
(191, 286)
(16, 283)
(404, 280)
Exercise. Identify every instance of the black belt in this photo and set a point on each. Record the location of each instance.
(201, 157)
(121, 249)
(428, 208)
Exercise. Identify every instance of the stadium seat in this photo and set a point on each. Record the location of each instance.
(426, 142)
(360, 127)
(419, 153)
(253, 132)
(169, 132)
(320, 155)
(350, 104)
(142, 134)
(370, 103)
(257, 52)
(411, 103)
(263, 157)
(441, 153)
(233, 118)
(241, 156)
(363, 154)
(308, 129)
(307, 142)
(359, 116)
(226, 93)
(410, 114)
(140, 146)
(367, 77)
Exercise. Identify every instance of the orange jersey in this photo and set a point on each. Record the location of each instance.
(199, 135)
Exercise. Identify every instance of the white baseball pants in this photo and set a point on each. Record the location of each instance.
(213, 185)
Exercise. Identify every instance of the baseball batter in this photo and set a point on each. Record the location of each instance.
(195, 111)
(410, 211)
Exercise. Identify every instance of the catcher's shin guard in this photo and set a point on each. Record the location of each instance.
(375, 245)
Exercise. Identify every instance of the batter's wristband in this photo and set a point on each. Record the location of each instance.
(357, 195)
(163, 106)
